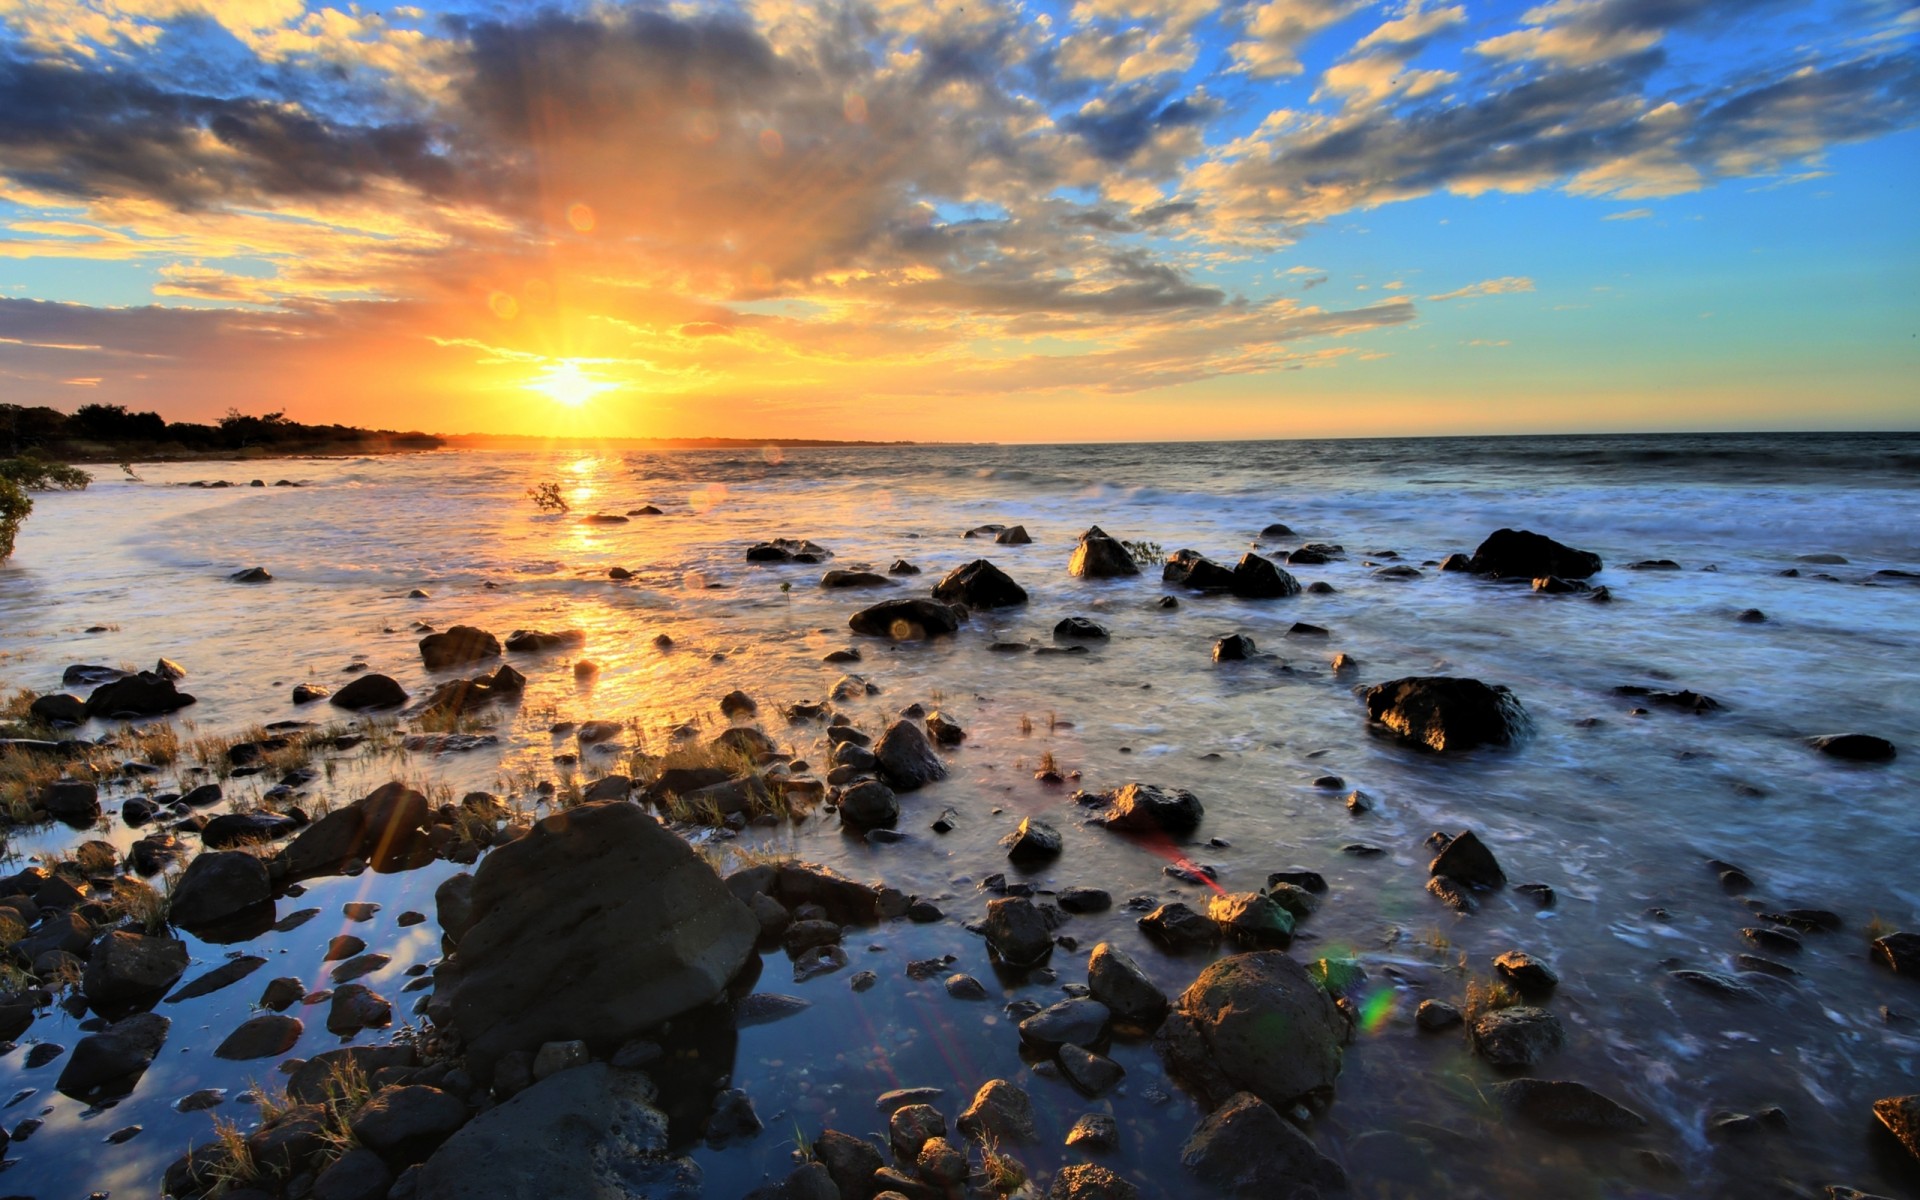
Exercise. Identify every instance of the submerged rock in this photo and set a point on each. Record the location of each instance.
(1245, 1148)
(1517, 1037)
(1255, 1023)
(458, 646)
(980, 584)
(1854, 747)
(1563, 1106)
(905, 620)
(1447, 714)
(1523, 554)
(1235, 647)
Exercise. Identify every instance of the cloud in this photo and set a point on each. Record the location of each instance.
(1278, 29)
(1502, 286)
(1631, 214)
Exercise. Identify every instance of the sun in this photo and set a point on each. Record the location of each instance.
(566, 383)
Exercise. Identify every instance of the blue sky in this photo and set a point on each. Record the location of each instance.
(1275, 217)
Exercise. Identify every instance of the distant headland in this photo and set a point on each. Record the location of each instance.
(112, 433)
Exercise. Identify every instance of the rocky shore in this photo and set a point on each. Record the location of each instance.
(594, 949)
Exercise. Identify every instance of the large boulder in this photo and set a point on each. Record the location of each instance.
(1254, 578)
(1523, 554)
(1245, 1148)
(370, 692)
(591, 1132)
(147, 694)
(598, 924)
(1446, 714)
(1190, 568)
(58, 708)
(1098, 556)
(980, 584)
(128, 968)
(114, 1058)
(905, 620)
(905, 759)
(1255, 1023)
(457, 647)
(1146, 808)
(218, 885)
(386, 828)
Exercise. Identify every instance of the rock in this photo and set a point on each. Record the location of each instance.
(1235, 647)
(1517, 1037)
(1090, 1181)
(1094, 1132)
(1033, 841)
(598, 923)
(115, 1056)
(1178, 927)
(1523, 554)
(783, 549)
(1467, 860)
(74, 802)
(1017, 931)
(1081, 1022)
(1080, 629)
(589, 1132)
(355, 1007)
(1854, 747)
(1192, 569)
(370, 692)
(1148, 808)
(911, 1126)
(1088, 1071)
(1899, 953)
(1245, 1148)
(1016, 536)
(999, 1110)
(851, 1161)
(905, 620)
(539, 641)
(1252, 919)
(1098, 556)
(944, 731)
(219, 885)
(359, 1174)
(980, 585)
(1117, 981)
(1255, 578)
(251, 575)
(225, 975)
(264, 1036)
(1901, 1116)
(1084, 900)
(1257, 1023)
(1564, 1106)
(127, 968)
(905, 759)
(457, 647)
(854, 579)
(234, 829)
(453, 905)
(386, 828)
(1445, 714)
(869, 802)
(144, 695)
(314, 1080)
(1527, 974)
(1436, 1015)
(58, 708)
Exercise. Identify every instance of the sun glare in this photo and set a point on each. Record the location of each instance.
(566, 383)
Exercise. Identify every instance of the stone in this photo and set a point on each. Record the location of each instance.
(1255, 1022)
(1090, 1072)
(355, 1007)
(74, 802)
(235, 829)
(1235, 647)
(1525, 973)
(905, 759)
(1446, 714)
(146, 694)
(850, 1161)
(1090, 1181)
(598, 923)
(386, 828)
(453, 905)
(1147, 808)
(1563, 1106)
(1094, 1132)
(1192, 569)
(1899, 953)
(1098, 556)
(590, 1132)
(1084, 900)
(1032, 841)
(965, 987)
(912, 1126)
(980, 585)
(554, 1057)
(1901, 1117)
(1178, 927)
(457, 647)
(115, 1056)
(1252, 919)
(1854, 747)
(128, 968)
(265, 1036)
(1117, 981)
(1436, 1015)
(999, 1110)
(1466, 860)
(869, 802)
(1017, 932)
(1519, 1036)
(906, 620)
(1523, 554)
(282, 993)
(1081, 1022)
(1245, 1148)
(539, 641)
(1255, 578)
(359, 1174)
(368, 693)
(218, 886)
(314, 1080)
(58, 708)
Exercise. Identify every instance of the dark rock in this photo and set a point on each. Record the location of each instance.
(251, 575)
(1564, 1106)
(1446, 714)
(1090, 1072)
(980, 584)
(1901, 1116)
(598, 923)
(1525, 973)
(1090, 1181)
(1084, 900)
(911, 1126)
(1098, 556)
(965, 987)
(1245, 1148)
(315, 1079)
(1467, 860)
(74, 802)
(1094, 1132)
(1725, 986)
(1687, 701)
(904, 758)
(1517, 1037)
(539, 641)
(1854, 747)
(144, 695)
(219, 885)
(851, 1161)
(905, 620)
(854, 579)
(869, 802)
(225, 975)
(265, 1036)
(1777, 938)
(1190, 568)
(1252, 919)
(1235, 647)
(386, 828)
(1147, 808)
(782, 549)
(355, 1007)
(115, 1056)
(1436, 1015)
(999, 1110)
(1017, 932)
(1178, 927)
(944, 731)
(127, 968)
(1080, 1022)
(1899, 952)
(1255, 1022)
(1522, 554)
(59, 708)
(359, 1174)
(1033, 841)
(1080, 629)
(1299, 877)
(902, 567)
(370, 692)
(1254, 578)
(1118, 982)
(233, 829)
(458, 646)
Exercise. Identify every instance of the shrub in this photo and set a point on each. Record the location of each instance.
(546, 497)
(15, 504)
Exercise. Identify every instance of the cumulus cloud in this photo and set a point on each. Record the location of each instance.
(1489, 287)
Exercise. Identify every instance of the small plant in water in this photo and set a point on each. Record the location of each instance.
(547, 498)
(1147, 554)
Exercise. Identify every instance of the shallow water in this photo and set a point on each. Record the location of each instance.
(1616, 814)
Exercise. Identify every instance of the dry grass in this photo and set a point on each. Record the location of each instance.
(1485, 996)
(1048, 764)
(237, 1169)
(1878, 928)
(95, 858)
(23, 776)
(1004, 1174)
(158, 743)
(146, 907)
(1026, 725)
(16, 705)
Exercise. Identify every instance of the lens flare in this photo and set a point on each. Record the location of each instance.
(565, 382)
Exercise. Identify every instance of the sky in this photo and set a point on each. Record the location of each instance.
(1016, 221)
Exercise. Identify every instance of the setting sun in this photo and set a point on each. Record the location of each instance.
(565, 383)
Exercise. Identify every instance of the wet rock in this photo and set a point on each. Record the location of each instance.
(1015, 536)
(1090, 1072)
(115, 1056)
(386, 828)
(1466, 859)
(264, 1036)
(999, 1110)
(359, 1174)
(1899, 953)
(1033, 841)
(599, 922)
(1178, 927)
(234, 829)
(1252, 919)
(1245, 1148)
(1525, 973)
(370, 692)
(1854, 747)
(1523, 554)
(1436, 1015)
(58, 708)
(732, 1118)
(1098, 556)
(944, 731)
(1517, 1037)
(1776, 938)
(905, 759)
(1255, 578)
(902, 567)
(355, 1007)
(869, 802)
(590, 1132)
(1901, 1116)
(912, 1126)
(457, 647)
(1192, 569)
(850, 1161)
(1080, 629)
(905, 620)
(282, 993)
(317, 1077)
(1081, 1022)
(1090, 1181)
(146, 694)
(127, 968)
(219, 885)
(1255, 1022)
(1235, 647)
(1017, 931)
(1300, 877)
(73, 802)
(1445, 714)
(1147, 808)
(1118, 982)
(1084, 900)
(965, 987)
(1094, 1132)
(980, 585)
(1563, 1106)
